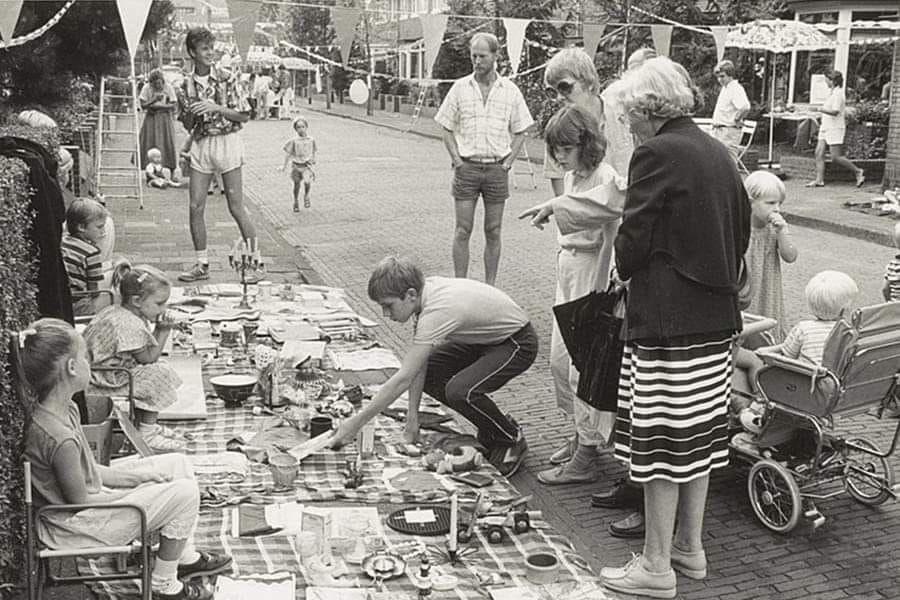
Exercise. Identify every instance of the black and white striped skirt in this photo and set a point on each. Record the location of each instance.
(672, 409)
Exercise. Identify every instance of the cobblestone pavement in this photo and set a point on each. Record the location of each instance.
(380, 192)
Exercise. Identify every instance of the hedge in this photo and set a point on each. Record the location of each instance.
(18, 307)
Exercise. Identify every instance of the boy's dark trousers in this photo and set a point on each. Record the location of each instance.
(461, 376)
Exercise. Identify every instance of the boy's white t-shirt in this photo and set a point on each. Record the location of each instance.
(466, 311)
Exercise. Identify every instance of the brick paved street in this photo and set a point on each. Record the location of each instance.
(381, 192)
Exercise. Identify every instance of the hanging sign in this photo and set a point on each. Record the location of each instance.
(662, 38)
(433, 28)
(719, 33)
(9, 16)
(345, 20)
(243, 14)
(515, 38)
(592, 33)
(134, 16)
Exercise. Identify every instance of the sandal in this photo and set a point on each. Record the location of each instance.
(815, 184)
(306, 203)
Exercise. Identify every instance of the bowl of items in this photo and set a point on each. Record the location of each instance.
(233, 389)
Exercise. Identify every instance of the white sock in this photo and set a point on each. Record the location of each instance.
(189, 555)
(165, 577)
(203, 257)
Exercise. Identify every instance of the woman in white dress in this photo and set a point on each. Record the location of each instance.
(832, 131)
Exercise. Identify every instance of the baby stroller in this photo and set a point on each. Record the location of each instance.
(860, 371)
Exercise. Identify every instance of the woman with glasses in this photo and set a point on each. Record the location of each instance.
(570, 76)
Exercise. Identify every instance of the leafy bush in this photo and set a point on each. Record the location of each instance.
(18, 307)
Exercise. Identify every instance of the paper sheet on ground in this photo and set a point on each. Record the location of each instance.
(191, 403)
(552, 591)
(271, 586)
(366, 360)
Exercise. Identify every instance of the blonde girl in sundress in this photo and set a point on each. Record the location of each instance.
(132, 335)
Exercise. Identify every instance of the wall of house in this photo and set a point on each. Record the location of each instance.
(892, 162)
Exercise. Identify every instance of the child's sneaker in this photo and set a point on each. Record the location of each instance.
(158, 442)
(198, 272)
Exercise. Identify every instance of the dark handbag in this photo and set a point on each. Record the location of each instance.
(590, 328)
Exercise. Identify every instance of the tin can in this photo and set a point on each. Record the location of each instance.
(366, 440)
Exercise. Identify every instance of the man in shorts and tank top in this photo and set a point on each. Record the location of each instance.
(469, 340)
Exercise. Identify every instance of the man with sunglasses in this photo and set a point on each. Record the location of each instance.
(731, 106)
(484, 118)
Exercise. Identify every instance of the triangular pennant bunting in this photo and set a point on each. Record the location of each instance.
(662, 38)
(134, 16)
(515, 38)
(719, 33)
(345, 20)
(592, 33)
(243, 15)
(433, 28)
(9, 16)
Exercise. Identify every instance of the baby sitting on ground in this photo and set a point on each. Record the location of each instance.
(829, 294)
(158, 176)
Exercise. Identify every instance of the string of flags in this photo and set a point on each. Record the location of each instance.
(243, 15)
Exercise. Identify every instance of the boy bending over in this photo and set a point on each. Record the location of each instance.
(469, 339)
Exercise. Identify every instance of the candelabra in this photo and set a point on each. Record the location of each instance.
(241, 257)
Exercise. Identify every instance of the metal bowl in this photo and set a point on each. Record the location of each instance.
(233, 389)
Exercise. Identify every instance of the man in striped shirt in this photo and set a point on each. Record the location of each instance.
(484, 118)
(891, 289)
(86, 228)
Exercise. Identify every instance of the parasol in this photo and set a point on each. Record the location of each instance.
(779, 37)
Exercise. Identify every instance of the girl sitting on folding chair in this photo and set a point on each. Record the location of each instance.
(54, 366)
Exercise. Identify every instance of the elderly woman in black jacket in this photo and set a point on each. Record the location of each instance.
(685, 227)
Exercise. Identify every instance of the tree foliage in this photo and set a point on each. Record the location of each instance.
(87, 43)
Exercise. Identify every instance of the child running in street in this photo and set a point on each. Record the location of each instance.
(122, 336)
(300, 154)
(770, 244)
(54, 366)
(80, 247)
(157, 175)
(575, 142)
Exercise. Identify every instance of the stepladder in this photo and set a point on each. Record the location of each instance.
(417, 109)
(527, 170)
(118, 141)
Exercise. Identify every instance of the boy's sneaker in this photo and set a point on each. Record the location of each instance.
(198, 272)
(189, 591)
(159, 442)
(508, 459)
(208, 564)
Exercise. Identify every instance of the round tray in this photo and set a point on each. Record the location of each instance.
(440, 526)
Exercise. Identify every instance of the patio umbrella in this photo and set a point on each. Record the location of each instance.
(778, 37)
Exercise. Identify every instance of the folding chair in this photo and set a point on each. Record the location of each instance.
(84, 319)
(747, 133)
(38, 555)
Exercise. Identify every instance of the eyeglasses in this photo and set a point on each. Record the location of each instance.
(563, 88)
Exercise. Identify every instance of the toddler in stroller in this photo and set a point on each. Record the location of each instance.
(834, 365)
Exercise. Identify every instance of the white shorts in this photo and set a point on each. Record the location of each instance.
(832, 137)
(217, 153)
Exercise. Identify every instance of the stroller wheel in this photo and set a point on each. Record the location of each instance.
(869, 478)
(774, 496)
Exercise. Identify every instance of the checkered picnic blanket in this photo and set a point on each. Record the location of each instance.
(280, 553)
(320, 481)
